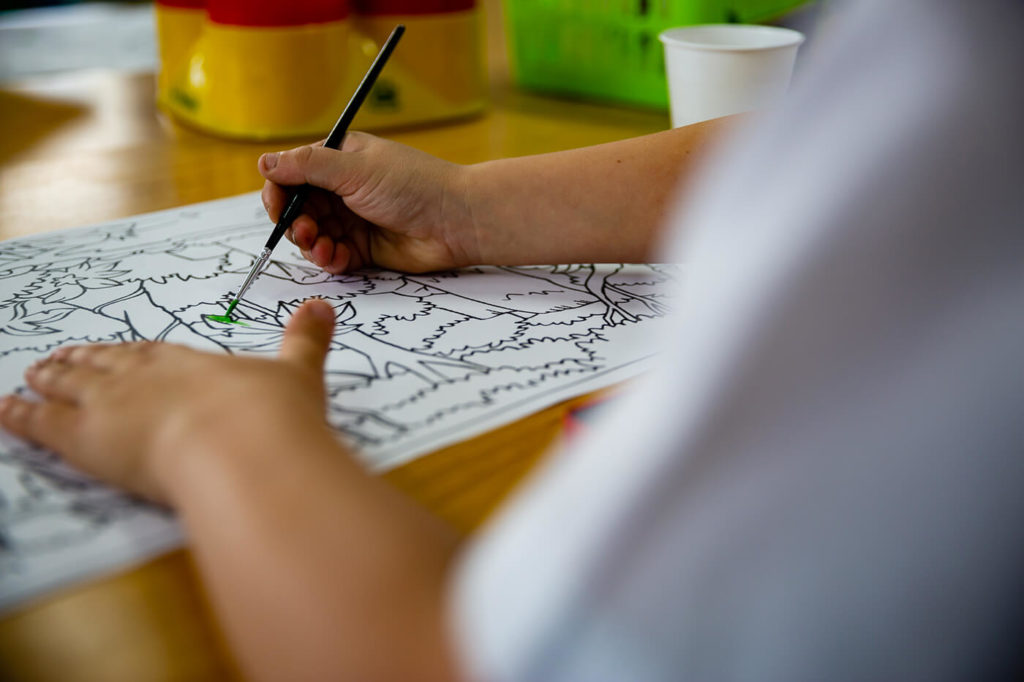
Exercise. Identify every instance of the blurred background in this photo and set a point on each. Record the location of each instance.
(116, 108)
(261, 69)
(38, 37)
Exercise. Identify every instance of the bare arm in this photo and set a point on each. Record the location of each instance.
(389, 205)
(316, 570)
(605, 203)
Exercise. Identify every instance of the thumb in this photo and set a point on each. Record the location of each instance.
(322, 167)
(307, 338)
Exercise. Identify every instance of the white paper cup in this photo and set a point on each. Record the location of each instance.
(720, 69)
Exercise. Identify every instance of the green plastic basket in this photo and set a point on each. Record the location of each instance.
(609, 49)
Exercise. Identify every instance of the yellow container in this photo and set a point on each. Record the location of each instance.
(263, 83)
(272, 82)
(178, 27)
(435, 74)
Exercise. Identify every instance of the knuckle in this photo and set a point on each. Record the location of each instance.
(50, 375)
(356, 140)
(301, 156)
(140, 351)
(16, 412)
(81, 353)
(114, 358)
(96, 384)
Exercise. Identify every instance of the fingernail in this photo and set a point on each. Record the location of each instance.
(323, 310)
(270, 160)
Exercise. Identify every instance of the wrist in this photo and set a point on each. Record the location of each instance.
(221, 449)
(462, 214)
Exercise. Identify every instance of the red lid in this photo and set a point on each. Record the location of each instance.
(379, 7)
(276, 12)
(183, 4)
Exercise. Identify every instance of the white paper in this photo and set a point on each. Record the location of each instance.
(417, 362)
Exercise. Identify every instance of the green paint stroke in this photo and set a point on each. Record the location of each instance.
(225, 319)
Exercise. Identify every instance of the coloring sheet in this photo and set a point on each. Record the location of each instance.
(417, 362)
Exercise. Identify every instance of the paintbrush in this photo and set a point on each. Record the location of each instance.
(293, 208)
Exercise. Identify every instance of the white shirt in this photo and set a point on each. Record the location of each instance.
(825, 480)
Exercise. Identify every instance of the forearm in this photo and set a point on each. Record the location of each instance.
(315, 569)
(605, 203)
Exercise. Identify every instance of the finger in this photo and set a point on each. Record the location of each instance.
(323, 250)
(66, 353)
(339, 260)
(351, 244)
(110, 356)
(62, 381)
(304, 232)
(91, 354)
(50, 424)
(330, 169)
(274, 198)
(307, 337)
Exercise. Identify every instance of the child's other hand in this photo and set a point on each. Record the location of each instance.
(132, 413)
(380, 203)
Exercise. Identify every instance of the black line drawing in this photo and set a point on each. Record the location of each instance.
(417, 361)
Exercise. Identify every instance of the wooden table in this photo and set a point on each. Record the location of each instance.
(91, 146)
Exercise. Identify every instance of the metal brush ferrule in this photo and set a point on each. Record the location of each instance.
(257, 268)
